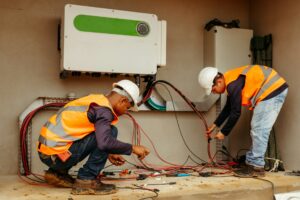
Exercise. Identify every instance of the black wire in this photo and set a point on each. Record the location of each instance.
(108, 166)
(272, 184)
(152, 197)
(189, 102)
(41, 180)
(152, 190)
(170, 183)
(190, 158)
(179, 128)
(141, 188)
(131, 163)
(34, 180)
(225, 153)
(125, 161)
(186, 160)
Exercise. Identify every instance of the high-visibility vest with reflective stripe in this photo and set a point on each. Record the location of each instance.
(71, 123)
(259, 83)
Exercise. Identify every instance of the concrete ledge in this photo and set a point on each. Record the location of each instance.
(229, 187)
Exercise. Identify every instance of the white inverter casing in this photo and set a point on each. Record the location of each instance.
(111, 41)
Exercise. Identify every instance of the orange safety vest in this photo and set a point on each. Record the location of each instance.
(71, 123)
(259, 83)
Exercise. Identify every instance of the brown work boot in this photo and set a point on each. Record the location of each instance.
(59, 179)
(95, 187)
(249, 171)
(258, 171)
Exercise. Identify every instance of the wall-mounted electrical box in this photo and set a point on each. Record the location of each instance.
(227, 48)
(111, 41)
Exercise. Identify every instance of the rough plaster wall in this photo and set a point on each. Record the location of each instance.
(281, 18)
(29, 63)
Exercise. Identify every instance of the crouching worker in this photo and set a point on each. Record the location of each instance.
(85, 128)
(260, 88)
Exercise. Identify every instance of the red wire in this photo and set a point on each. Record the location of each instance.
(23, 133)
(137, 133)
(174, 167)
(199, 114)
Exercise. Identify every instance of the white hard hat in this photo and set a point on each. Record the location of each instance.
(130, 90)
(206, 78)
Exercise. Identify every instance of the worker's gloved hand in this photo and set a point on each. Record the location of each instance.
(219, 136)
(140, 151)
(116, 159)
(210, 130)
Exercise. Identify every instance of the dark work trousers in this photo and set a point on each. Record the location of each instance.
(80, 149)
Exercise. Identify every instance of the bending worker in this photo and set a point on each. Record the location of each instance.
(260, 88)
(85, 128)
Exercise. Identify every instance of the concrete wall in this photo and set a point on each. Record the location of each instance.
(281, 18)
(29, 64)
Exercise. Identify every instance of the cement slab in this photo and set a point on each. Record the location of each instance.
(229, 187)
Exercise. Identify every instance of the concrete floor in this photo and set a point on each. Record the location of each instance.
(229, 187)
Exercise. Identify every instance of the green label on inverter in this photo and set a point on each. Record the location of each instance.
(96, 24)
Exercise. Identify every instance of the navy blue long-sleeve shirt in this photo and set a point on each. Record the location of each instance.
(233, 106)
(102, 117)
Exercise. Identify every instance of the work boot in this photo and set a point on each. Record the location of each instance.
(249, 171)
(59, 178)
(95, 187)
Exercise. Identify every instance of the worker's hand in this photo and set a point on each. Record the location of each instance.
(140, 151)
(116, 159)
(219, 136)
(210, 130)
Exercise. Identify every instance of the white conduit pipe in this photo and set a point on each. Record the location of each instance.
(40, 101)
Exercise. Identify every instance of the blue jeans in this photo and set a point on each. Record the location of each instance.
(263, 119)
(80, 149)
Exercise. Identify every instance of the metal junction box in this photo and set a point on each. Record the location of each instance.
(111, 41)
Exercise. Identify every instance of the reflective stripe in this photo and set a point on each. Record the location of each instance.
(69, 108)
(245, 71)
(72, 108)
(51, 143)
(58, 128)
(266, 71)
(265, 87)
